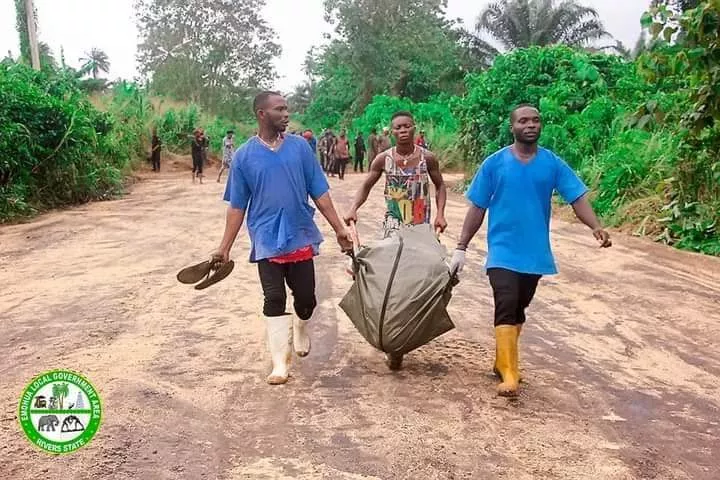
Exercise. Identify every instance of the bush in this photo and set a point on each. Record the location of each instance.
(626, 134)
(58, 148)
(55, 147)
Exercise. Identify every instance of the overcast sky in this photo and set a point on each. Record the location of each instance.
(79, 25)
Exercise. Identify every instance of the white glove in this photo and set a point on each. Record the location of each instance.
(458, 262)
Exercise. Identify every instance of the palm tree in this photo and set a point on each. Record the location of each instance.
(679, 5)
(522, 23)
(60, 391)
(95, 61)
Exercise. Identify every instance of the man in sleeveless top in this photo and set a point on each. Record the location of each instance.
(408, 170)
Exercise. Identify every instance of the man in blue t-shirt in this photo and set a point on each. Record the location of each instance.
(271, 177)
(515, 185)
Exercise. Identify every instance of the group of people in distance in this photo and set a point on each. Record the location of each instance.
(273, 175)
(199, 145)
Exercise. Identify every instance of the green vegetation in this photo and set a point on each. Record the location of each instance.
(641, 128)
(214, 53)
(57, 148)
(61, 147)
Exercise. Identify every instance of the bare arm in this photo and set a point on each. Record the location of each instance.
(325, 205)
(473, 221)
(585, 213)
(440, 190)
(233, 222)
(376, 170)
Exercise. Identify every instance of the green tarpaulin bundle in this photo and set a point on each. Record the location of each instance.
(402, 287)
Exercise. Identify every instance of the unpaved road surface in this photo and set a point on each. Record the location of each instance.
(620, 357)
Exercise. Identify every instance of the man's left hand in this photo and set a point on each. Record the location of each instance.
(440, 224)
(602, 237)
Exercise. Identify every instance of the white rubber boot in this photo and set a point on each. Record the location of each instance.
(301, 339)
(279, 331)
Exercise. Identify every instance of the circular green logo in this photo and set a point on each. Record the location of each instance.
(60, 411)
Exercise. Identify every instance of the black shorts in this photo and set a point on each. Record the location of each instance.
(513, 292)
(299, 276)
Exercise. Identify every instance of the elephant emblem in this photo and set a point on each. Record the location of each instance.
(47, 423)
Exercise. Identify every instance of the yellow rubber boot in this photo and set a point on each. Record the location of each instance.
(495, 368)
(507, 357)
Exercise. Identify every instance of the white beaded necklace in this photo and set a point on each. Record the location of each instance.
(274, 144)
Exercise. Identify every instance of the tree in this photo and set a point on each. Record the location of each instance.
(60, 391)
(642, 45)
(522, 23)
(300, 98)
(212, 52)
(95, 61)
(405, 48)
(677, 5)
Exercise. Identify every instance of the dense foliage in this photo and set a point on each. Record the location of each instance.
(392, 47)
(57, 148)
(641, 129)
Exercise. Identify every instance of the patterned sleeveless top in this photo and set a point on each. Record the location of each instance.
(406, 194)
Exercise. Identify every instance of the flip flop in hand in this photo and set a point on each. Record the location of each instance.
(207, 273)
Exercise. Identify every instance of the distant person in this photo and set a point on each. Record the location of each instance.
(156, 146)
(384, 141)
(312, 141)
(272, 178)
(408, 171)
(322, 150)
(330, 144)
(516, 185)
(196, 150)
(372, 146)
(421, 141)
(228, 150)
(205, 146)
(359, 152)
(342, 154)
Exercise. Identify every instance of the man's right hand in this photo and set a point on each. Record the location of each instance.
(350, 217)
(221, 255)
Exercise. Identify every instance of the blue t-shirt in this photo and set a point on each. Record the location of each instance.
(276, 186)
(518, 199)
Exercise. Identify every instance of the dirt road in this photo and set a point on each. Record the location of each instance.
(620, 357)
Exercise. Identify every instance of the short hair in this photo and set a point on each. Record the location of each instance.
(402, 113)
(518, 107)
(229, 132)
(373, 130)
(261, 99)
